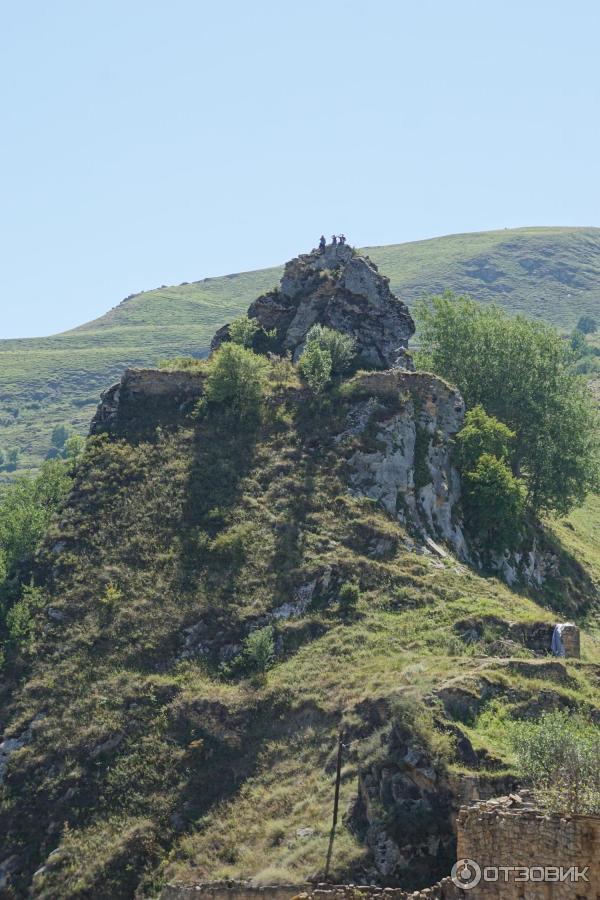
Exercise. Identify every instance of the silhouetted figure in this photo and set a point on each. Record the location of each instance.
(322, 242)
(334, 239)
(342, 238)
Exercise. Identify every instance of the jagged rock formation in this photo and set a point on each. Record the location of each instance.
(340, 289)
(407, 803)
(404, 814)
(410, 470)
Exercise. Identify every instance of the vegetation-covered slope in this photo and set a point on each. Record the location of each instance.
(155, 746)
(553, 273)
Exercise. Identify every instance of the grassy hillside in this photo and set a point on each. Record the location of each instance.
(553, 273)
(150, 755)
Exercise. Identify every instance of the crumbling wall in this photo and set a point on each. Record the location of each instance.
(497, 833)
(230, 890)
(145, 398)
(235, 890)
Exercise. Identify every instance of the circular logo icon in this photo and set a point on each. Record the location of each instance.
(466, 874)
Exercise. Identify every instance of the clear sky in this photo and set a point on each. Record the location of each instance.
(149, 142)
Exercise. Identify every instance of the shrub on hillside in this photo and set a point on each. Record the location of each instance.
(26, 508)
(20, 619)
(348, 598)
(237, 378)
(12, 459)
(587, 325)
(315, 365)
(259, 650)
(60, 434)
(242, 331)
(559, 756)
(230, 545)
(493, 498)
(341, 347)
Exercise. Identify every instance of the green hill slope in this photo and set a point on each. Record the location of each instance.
(553, 273)
(150, 748)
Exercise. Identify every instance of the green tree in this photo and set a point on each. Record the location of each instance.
(482, 434)
(341, 347)
(519, 371)
(237, 378)
(60, 434)
(493, 503)
(26, 508)
(20, 619)
(559, 756)
(587, 325)
(493, 499)
(74, 447)
(242, 331)
(315, 365)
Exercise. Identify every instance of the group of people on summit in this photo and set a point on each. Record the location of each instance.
(335, 238)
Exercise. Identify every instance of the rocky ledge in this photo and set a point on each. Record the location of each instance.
(336, 287)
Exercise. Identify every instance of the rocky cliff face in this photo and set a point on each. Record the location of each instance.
(408, 466)
(340, 289)
(407, 801)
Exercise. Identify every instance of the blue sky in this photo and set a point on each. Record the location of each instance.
(148, 143)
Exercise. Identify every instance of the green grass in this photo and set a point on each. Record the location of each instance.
(552, 273)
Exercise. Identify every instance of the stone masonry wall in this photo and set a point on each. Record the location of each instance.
(229, 890)
(495, 834)
(239, 890)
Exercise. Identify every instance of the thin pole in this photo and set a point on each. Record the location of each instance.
(336, 801)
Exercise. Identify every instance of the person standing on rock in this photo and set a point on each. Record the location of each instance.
(322, 242)
(334, 239)
(342, 238)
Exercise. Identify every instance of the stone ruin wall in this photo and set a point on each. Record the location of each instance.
(228, 890)
(493, 836)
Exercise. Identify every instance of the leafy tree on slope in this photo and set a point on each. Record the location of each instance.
(518, 370)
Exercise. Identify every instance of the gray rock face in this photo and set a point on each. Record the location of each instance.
(337, 288)
(411, 472)
(404, 813)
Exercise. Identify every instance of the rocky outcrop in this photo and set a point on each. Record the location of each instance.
(407, 807)
(144, 398)
(408, 466)
(342, 290)
(404, 815)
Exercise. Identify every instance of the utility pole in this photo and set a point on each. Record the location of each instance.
(336, 801)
